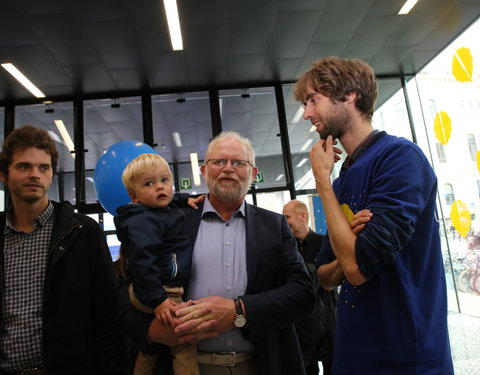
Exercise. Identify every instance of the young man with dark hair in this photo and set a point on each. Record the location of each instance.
(58, 308)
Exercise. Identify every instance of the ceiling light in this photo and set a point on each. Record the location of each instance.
(306, 144)
(195, 170)
(173, 24)
(23, 80)
(303, 161)
(407, 7)
(298, 115)
(177, 139)
(66, 137)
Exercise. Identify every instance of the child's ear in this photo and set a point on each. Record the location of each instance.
(133, 197)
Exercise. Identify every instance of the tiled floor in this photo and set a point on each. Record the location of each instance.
(465, 343)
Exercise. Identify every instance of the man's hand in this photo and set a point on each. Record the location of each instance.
(322, 158)
(360, 219)
(167, 335)
(218, 309)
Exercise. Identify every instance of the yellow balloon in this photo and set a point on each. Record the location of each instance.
(462, 65)
(461, 218)
(348, 212)
(442, 126)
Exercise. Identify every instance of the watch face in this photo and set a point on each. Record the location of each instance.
(240, 321)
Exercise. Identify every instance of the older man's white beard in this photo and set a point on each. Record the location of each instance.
(227, 193)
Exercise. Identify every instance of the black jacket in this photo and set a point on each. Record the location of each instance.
(80, 328)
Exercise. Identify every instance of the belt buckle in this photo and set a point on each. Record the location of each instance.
(233, 354)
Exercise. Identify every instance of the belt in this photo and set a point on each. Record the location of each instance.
(32, 371)
(224, 358)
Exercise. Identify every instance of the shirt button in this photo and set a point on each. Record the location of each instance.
(227, 243)
(228, 264)
(229, 287)
(229, 343)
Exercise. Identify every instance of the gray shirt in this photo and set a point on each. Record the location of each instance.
(219, 268)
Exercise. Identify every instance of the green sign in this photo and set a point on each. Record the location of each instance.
(258, 178)
(185, 183)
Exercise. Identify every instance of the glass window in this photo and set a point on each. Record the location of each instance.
(456, 169)
(56, 119)
(302, 137)
(440, 152)
(181, 127)
(253, 113)
(106, 122)
(449, 196)
(472, 146)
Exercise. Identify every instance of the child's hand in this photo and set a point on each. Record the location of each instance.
(163, 312)
(192, 202)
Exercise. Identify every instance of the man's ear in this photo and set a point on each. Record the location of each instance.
(351, 97)
(254, 173)
(3, 178)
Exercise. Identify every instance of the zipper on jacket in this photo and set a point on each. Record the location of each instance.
(174, 266)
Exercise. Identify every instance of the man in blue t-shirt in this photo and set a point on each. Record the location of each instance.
(392, 307)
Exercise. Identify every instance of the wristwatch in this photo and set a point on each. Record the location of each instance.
(240, 319)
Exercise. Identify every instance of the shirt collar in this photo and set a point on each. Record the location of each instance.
(40, 220)
(373, 137)
(208, 208)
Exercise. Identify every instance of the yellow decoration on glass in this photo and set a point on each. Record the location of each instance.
(462, 65)
(478, 161)
(442, 126)
(348, 212)
(461, 218)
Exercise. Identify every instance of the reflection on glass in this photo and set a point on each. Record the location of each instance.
(44, 116)
(181, 125)
(253, 113)
(441, 95)
(106, 122)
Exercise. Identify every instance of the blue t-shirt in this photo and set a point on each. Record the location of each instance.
(395, 322)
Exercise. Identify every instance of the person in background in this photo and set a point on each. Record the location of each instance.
(316, 333)
(249, 283)
(58, 307)
(392, 306)
(158, 254)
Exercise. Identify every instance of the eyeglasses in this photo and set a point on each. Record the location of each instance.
(233, 163)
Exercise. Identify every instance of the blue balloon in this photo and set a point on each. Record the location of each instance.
(107, 177)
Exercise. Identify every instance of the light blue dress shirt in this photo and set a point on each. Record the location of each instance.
(219, 268)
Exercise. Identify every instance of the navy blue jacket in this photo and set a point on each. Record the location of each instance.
(157, 250)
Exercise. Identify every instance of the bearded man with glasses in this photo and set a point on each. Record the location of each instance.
(248, 280)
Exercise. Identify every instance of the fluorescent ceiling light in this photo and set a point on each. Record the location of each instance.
(312, 129)
(306, 144)
(66, 137)
(298, 115)
(173, 24)
(303, 161)
(18, 75)
(195, 170)
(407, 7)
(177, 139)
(279, 177)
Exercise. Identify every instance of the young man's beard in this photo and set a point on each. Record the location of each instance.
(336, 124)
